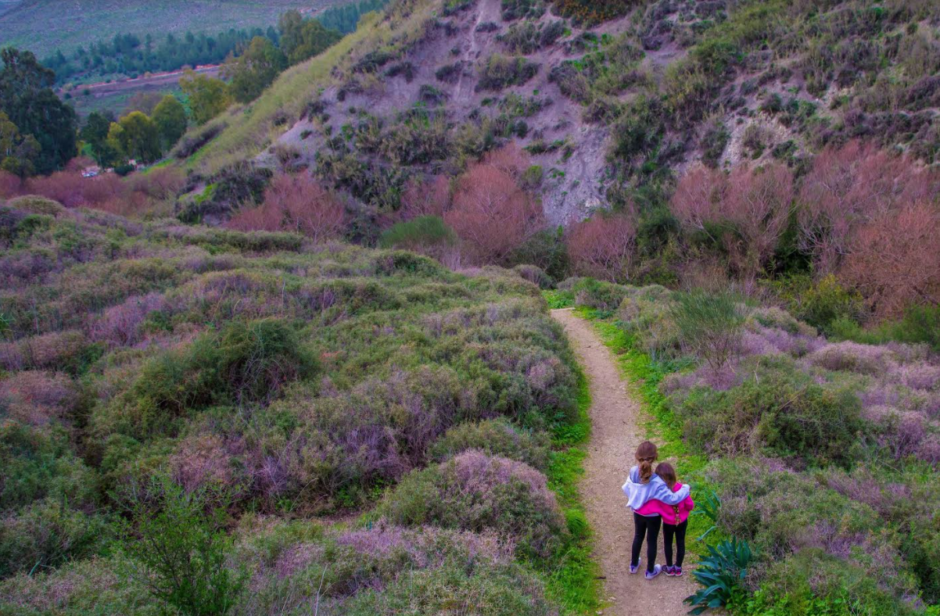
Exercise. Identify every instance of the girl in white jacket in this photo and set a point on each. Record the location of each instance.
(641, 486)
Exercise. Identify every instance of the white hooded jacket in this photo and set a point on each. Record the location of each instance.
(638, 494)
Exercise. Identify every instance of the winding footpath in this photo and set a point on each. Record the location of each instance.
(615, 435)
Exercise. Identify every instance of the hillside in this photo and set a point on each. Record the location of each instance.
(43, 26)
(604, 106)
(295, 386)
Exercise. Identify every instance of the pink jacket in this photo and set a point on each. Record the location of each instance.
(671, 515)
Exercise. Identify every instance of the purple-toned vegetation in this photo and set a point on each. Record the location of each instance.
(276, 378)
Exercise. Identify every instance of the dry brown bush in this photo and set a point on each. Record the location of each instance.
(295, 203)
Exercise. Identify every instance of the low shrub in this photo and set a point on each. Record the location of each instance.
(595, 294)
(535, 275)
(646, 315)
(385, 570)
(473, 491)
(47, 534)
(522, 9)
(591, 12)
(710, 326)
(495, 437)
(44, 466)
(776, 410)
(814, 582)
(244, 363)
(35, 204)
(419, 233)
(499, 72)
(191, 144)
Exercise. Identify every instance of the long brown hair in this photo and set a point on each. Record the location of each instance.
(667, 473)
(645, 455)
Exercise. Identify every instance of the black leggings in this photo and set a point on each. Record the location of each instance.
(650, 528)
(679, 531)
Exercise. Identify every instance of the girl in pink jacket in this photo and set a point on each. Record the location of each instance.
(675, 519)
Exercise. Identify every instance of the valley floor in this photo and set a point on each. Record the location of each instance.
(615, 436)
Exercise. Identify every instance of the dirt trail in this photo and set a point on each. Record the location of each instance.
(614, 438)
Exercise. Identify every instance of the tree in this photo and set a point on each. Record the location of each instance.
(139, 137)
(18, 153)
(95, 133)
(302, 39)
(604, 246)
(30, 104)
(208, 97)
(295, 203)
(430, 197)
(254, 70)
(170, 118)
(144, 102)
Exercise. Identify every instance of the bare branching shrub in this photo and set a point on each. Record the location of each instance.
(849, 187)
(604, 247)
(9, 185)
(744, 212)
(491, 213)
(430, 197)
(894, 259)
(295, 203)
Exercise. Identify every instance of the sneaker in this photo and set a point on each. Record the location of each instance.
(669, 570)
(636, 567)
(656, 571)
(677, 571)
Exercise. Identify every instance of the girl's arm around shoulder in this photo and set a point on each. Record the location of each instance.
(663, 493)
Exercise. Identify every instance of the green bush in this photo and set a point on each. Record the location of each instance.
(826, 303)
(535, 275)
(920, 325)
(424, 231)
(183, 551)
(591, 293)
(44, 467)
(47, 534)
(776, 410)
(814, 583)
(499, 72)
(646, 315)
(245, 363)
(710, 325)
(496, 437)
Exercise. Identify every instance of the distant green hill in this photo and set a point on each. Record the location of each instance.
(42, 26)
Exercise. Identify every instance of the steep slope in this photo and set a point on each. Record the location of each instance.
(603, 108)
(455, 89)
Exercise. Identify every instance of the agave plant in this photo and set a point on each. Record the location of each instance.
(708, 507)
(721, 573)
